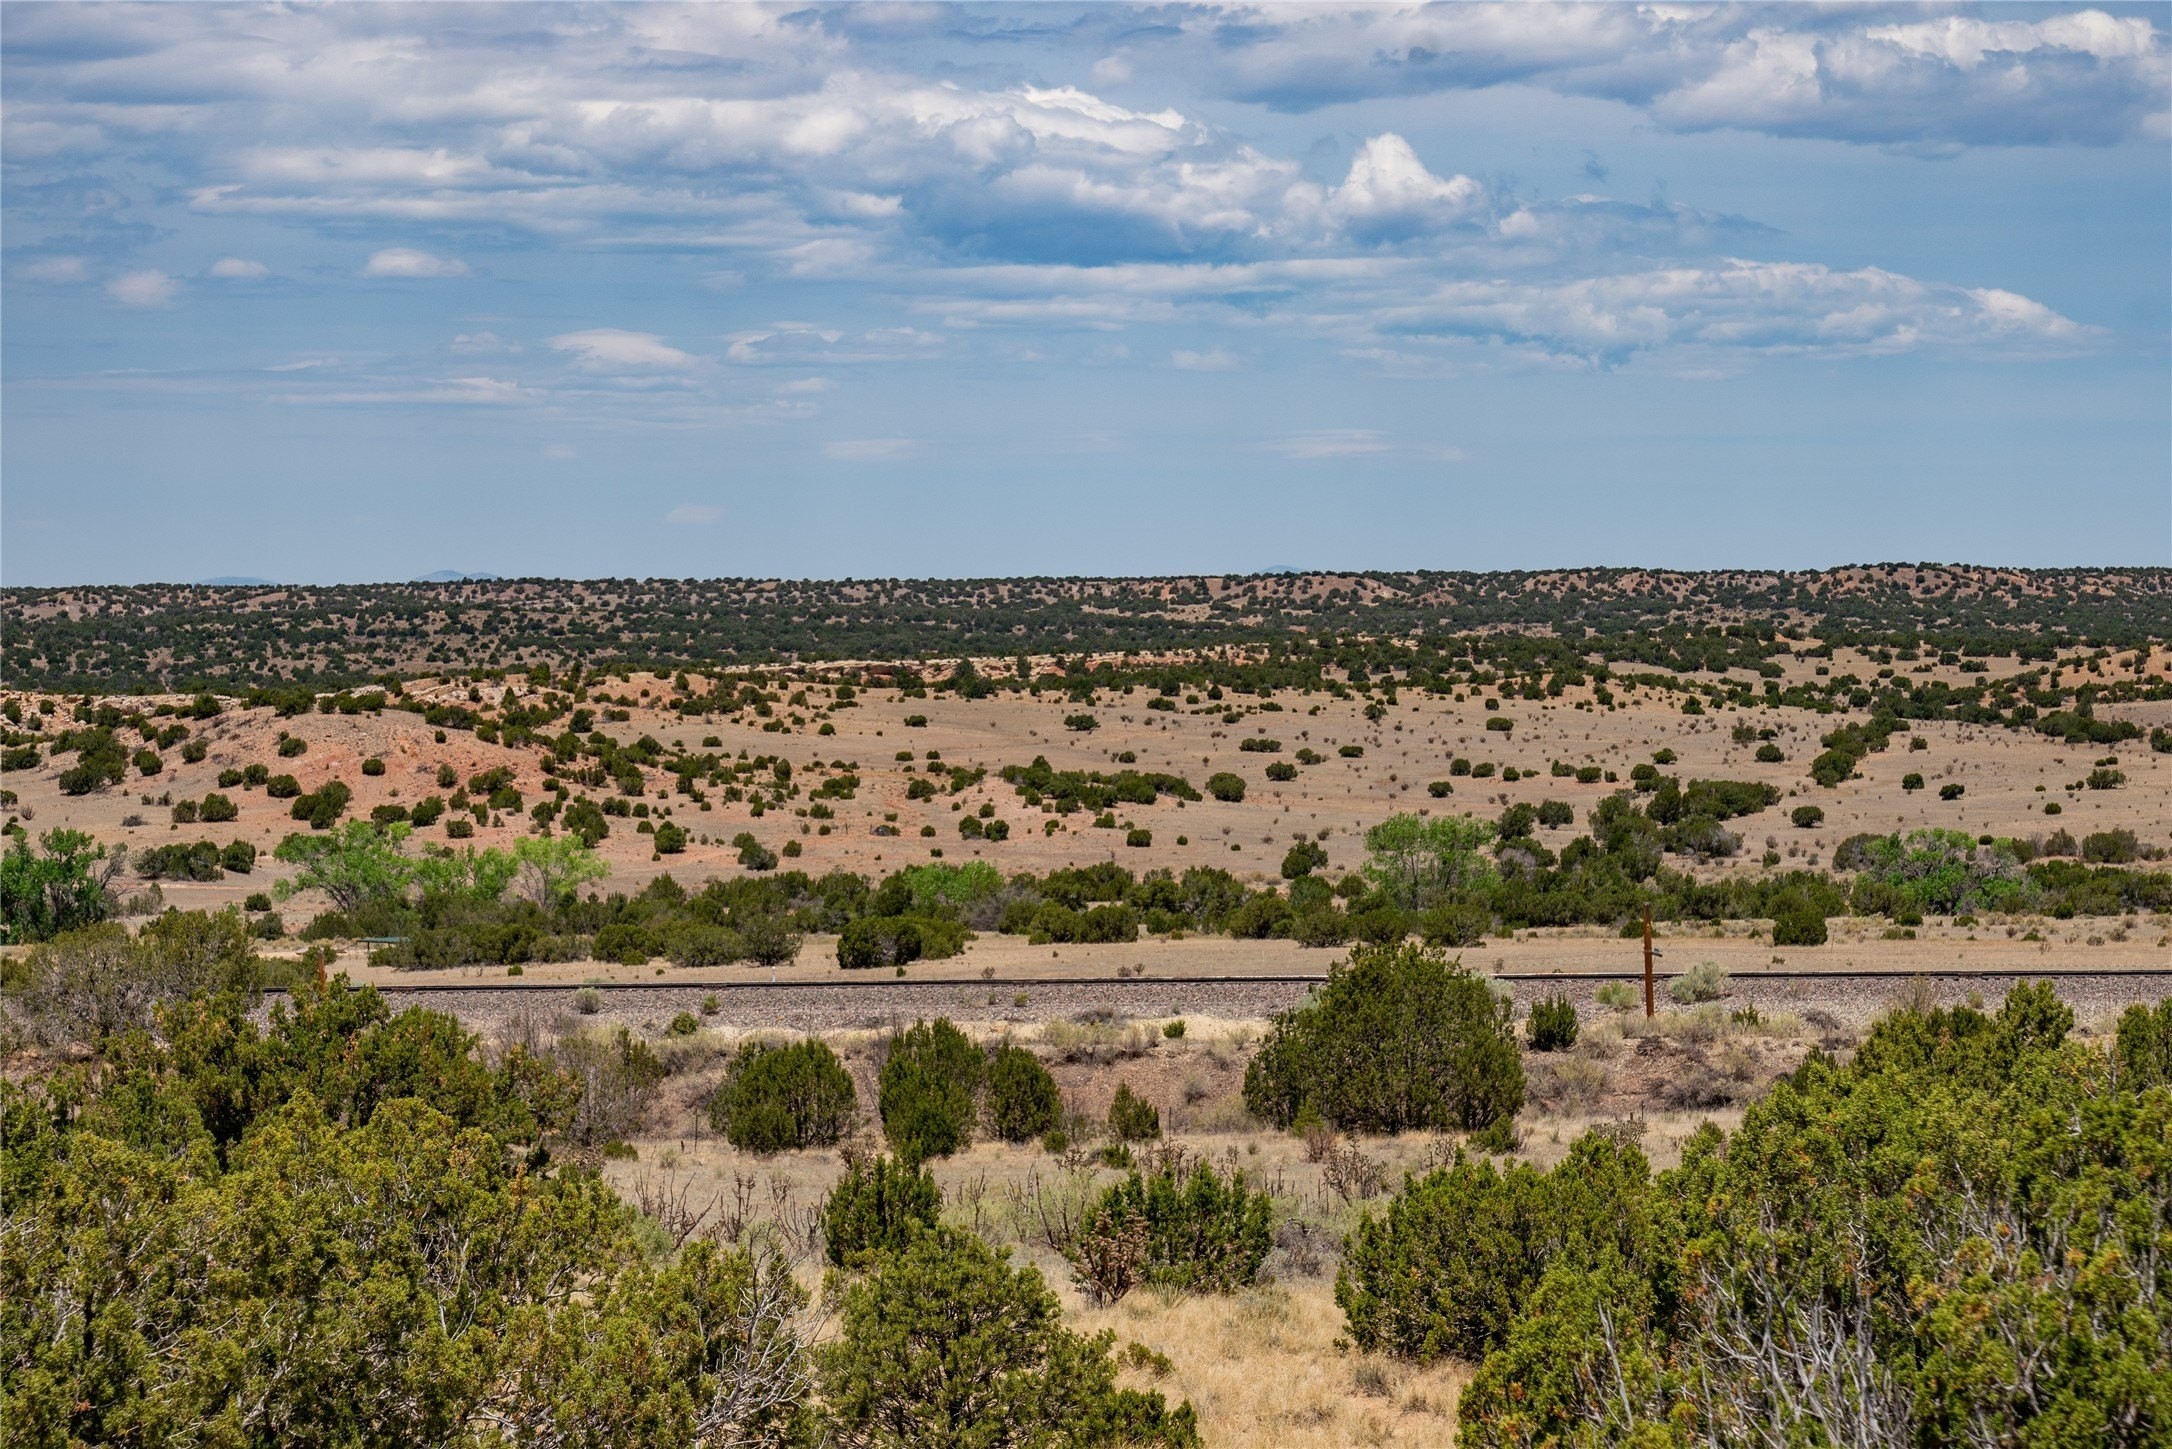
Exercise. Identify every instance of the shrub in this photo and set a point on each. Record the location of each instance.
(875, 941)
(1555, 813)
(217, 810)
(1912, 781)
(1616, 996)
(1553, 1024)
(2142, 1047)
(1440, 789)
(685, 1024)
(695, 945)
(1805, 817)
(930, 1079)
(588, 1001)
(780, 1099)
(1189, 1232)
(1224, 786)
(1797, 921)
(944, 1343)
(670, 839)
(373, 766)
(1083, 723)
(2111, 847)
(877, 1207)
(239, 856)
(1281, 771)
(1138, 836)
(1460, 923)
(1704, 981)
(1400, 1039)
(627, 942)
(1769, 754)
(1303, 859)
(1023, 1102)
(1131, 1117)
(1458, 1252)
(1953, 791)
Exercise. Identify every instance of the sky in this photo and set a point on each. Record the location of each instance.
(360, 292)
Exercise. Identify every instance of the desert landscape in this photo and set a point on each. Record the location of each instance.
(978, 725)
(661, 879)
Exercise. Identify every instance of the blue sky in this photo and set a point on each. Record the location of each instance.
(361, 292)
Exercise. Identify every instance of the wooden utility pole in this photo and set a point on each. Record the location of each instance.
(1647, 960)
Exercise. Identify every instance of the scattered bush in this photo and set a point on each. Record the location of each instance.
(1807, 817)
(944, 1343)
(931, 1078)
(1444, 1271)
(783, 1098)
(1186, 1232)
(1022, 1100)
(1398, 1040)
(878, 1207)
(1704, 981)
(1553, 1024)
(1224, 786)
(1132, 1118)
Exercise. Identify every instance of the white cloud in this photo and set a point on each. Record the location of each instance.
(870, 450)
(1214, 359)
(55, 269)
(451, 391)
(239, 269)
(407, 262)
(560, 452)
(1390, 189)
(611, 349)
(1780, 307)
(143, 289)
(805, 386)
(478, 343)
(695, 514)
(1331, 443)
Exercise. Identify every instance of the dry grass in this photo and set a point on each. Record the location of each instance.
(1262, 1368)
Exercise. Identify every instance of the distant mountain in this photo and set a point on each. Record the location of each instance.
(234, 581)
(454, 576)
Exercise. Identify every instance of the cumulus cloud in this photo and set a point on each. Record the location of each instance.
(612, 349)
(143, 289)
(695, 514)
(825, 147)
(407, 262)
(239, 269)
(870, 450)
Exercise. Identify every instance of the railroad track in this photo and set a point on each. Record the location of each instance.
(952, 983)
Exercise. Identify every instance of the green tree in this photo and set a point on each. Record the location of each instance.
(1420, 862)
(358, 864)
(59, 886)
(555, 867)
